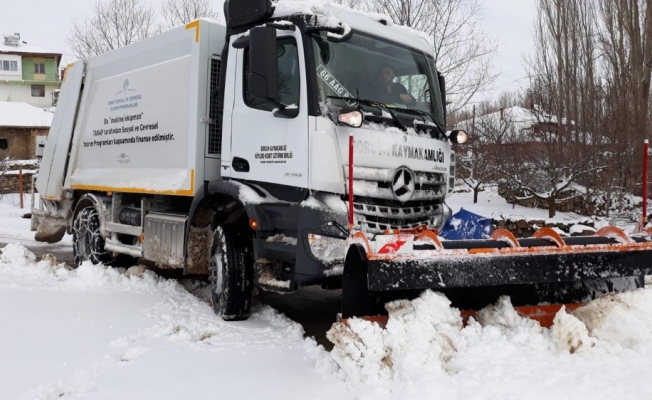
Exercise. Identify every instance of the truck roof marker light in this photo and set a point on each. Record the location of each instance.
(353, 119)
(458, 136)
(253, 224)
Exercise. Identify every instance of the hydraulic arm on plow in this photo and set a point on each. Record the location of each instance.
(540, 274)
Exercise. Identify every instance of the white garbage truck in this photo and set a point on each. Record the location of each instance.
(223, 150)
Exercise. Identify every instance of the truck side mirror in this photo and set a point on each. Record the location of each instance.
(243, 13)
(263, 64)
(442, 91)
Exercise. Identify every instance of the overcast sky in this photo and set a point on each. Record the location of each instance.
(46, 24)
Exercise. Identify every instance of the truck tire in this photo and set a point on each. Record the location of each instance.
(231, 273)
(87, 241)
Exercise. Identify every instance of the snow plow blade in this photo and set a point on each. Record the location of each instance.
(544, 314)
(475, 273)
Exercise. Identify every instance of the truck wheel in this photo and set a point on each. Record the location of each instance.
(231, 273)
(87, 241)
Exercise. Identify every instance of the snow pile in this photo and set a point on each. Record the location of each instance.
(499, 354)
(569, 333)
(418, 339)
(624, 318)
(17, 255)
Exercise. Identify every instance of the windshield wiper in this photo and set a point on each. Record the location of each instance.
(376, 104)
(414, 111)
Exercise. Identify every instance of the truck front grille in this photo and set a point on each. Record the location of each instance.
(376, 209)
(376, 216)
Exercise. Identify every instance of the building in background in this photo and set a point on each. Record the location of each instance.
(28, 73)
(22, 128)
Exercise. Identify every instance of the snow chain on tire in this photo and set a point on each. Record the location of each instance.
(87, 241)
(231, 273)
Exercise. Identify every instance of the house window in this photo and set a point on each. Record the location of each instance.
(39, 68)
(4, 143)
(9, 65)
(38, 90)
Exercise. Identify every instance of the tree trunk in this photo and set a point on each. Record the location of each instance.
(552, 207)
(475, 194)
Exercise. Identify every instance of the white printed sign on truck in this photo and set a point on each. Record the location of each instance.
(135, 131)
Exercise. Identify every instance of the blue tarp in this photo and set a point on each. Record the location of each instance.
(467, 225)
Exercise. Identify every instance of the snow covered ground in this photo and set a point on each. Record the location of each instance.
(14, 228)
(96, 333)
(490, 204)
(104, 333)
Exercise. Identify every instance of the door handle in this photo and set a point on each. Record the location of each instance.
(240, 164)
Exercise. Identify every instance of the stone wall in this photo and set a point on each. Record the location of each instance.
(521, 227)
(578, 204)
(9, 176)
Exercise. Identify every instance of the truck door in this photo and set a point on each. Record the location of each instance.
(265, 147)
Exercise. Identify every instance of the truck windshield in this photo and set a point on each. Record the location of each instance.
(374, 69)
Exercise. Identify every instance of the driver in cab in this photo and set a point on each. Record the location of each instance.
(389, 92)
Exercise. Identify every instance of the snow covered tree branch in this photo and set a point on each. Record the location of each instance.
(113, 24)
(462, 51)
(178, 12)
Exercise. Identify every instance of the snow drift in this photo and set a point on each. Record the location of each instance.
(425, 349)
(107, 333)
(151, 332)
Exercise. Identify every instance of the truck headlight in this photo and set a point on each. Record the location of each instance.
(327, 248)
(458, 136)
(353, 118)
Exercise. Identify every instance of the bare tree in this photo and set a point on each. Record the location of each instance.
(462, 51)
(179, 12)
(113, 24)
(626, 41)
(350, 3)
(546, 159)
(475, 167)
(480, 158)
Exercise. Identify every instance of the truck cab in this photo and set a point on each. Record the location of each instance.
(259, 191)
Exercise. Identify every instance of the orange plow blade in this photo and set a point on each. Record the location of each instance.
(544, 314)
(543, 269)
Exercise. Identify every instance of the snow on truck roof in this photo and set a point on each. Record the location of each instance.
(22, 115)
(375, 24)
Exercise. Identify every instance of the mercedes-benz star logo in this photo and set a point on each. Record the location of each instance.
(403, 184)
